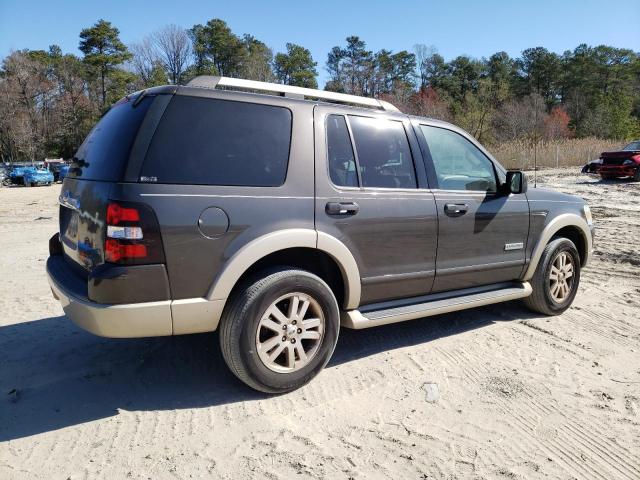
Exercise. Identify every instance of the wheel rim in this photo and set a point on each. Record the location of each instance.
(561, 277)
(290, 332)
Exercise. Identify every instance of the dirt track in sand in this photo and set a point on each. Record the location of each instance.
(516, 395)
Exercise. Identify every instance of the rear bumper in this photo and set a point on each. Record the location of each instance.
(613, 171)
(129, 320)
(147, 319)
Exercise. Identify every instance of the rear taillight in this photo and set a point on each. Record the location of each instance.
(117, 214)
(133, 235)
(117, 252)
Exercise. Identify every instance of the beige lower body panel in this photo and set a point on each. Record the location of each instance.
(196, 315)
(150, 319)
(136, 320)
(357, 320)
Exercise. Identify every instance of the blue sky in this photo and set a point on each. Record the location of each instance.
(454, 27)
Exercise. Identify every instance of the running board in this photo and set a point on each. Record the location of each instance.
(463, 299)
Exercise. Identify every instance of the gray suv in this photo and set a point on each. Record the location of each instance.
(277, 214)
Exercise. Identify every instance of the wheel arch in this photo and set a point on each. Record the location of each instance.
(317, 252)
(578, 238)
(567, 225)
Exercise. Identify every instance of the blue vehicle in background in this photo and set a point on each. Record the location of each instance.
(57, 167)
(63, 172)
(17, 174)
(27, 175)
(34, 176)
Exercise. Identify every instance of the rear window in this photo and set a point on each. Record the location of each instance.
(104, 153)
(203, 141)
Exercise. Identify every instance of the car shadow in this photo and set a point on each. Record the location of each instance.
(54, 375)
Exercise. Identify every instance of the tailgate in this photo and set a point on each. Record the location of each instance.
(83, 206)
(99, 162)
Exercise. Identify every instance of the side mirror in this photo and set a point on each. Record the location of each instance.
(516, 182)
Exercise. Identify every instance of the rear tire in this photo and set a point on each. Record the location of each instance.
(636, 175)
(279, 329)
(556, 279)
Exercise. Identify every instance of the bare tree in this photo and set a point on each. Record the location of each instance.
(25, 92)
(173, 46)
(424, 55)
(145, 57)
(519, 119)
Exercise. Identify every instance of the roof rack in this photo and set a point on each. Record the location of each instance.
(289, 91)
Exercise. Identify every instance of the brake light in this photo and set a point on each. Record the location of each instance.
(117, 214)
(132, 234)
(115, 251)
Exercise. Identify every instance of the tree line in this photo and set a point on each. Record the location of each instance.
(49, 100)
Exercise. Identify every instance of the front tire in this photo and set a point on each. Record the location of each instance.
(636, 175)
(556, 279)
(279, 330)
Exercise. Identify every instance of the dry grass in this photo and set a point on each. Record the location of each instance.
(553, 153)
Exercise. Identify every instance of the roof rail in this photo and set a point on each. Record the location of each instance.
(289, 91)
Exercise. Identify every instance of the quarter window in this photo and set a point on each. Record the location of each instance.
(458, 163)
(204, 141)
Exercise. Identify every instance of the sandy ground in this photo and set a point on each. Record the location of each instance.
(489, 393)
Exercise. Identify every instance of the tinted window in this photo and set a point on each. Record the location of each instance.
(220, 142)
(383, 151)
(104, 153)
(342, 164)
(458, 163)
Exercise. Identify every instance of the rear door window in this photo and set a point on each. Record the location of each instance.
(342, 162)
(384, 156)
(203, 141)
(104, 153)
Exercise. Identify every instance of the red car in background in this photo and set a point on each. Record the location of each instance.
(618, 164)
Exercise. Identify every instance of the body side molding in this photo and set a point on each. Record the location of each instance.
(557, 223)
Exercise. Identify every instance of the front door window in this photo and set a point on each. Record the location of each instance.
(458, 163)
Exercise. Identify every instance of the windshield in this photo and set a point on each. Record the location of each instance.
(632, 146)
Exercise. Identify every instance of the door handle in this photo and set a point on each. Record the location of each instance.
(338, 208)
(456, 209)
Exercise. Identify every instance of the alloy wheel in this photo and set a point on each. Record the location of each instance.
(561, 277)
(290, 332)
